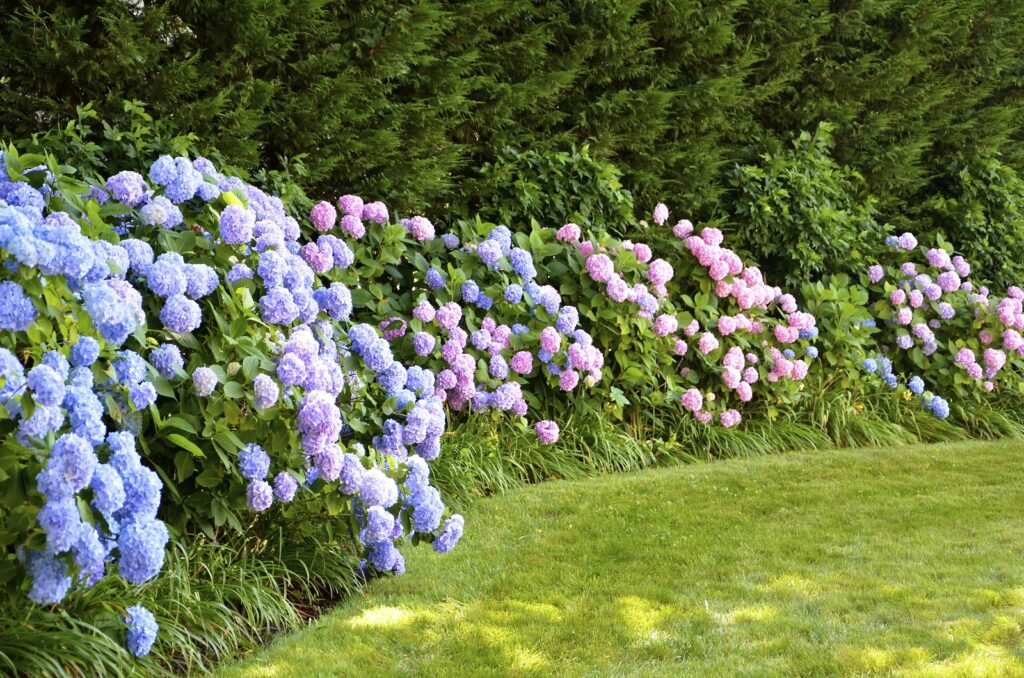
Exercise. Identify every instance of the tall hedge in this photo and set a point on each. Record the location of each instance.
(408, 98)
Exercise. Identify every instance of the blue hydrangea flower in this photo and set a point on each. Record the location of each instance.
(167, 360)
(435, 278)
(450, 534)
(503, 236)
(108, 490)
(490, 253)
(60, 520)
(239, 272)
(812, 352)
(201, 280)
(376, 489)
(254, 462)
(266, 391)
(50, 580)
(939, 407)
(427, 509)
(181, 315)
(278, 307)
(916, 385)
(522, 263)
(141, 545)
(47, 385)
(450, 240)
(379, 525)
(128, 188)
(85, 352)
(17, 313)
(161, 212)
(336, 300)
(166, 277)
(142, 630)
(870, 365)
(142, 395)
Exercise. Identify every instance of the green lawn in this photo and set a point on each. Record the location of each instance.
(861, 562)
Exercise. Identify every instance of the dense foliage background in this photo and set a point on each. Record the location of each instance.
(408, 99)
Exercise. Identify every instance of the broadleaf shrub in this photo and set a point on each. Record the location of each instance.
(803, 214)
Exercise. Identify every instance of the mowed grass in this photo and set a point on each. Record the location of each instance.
(900, 561)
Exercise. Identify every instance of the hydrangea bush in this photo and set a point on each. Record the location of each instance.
(940, 337)
(175, 336)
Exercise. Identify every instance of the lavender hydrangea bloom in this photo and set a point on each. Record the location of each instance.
(376, 489)
(142, 630)
(490, 253)
(259, 495)
(266, 391)
(204, 380)
(239, 272)
(128, 188)
(236, 225)
(285, 486)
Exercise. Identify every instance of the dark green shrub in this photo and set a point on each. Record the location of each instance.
(554, 188)
(982, 213)
(802, 214)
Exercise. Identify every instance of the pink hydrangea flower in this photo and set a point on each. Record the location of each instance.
(681, 347)
(729, 418)
(707, 343)
(323, 216)
(750, 375)
(600, 267)
(692, 400)
(351, 205)
(692, 328)
(550, 339)
(660, 214)
(643, 253)
(682, 229)
(745, 392)
(726, 325)
(659, 272)
(547, 432)
(586, 248)
(665, 324)
(353, 225)
(568, 233)
(712, 236)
